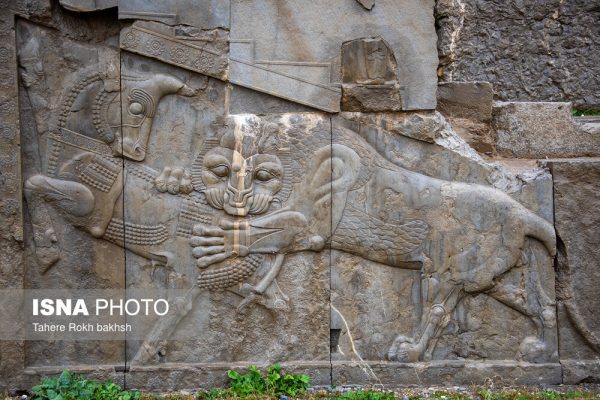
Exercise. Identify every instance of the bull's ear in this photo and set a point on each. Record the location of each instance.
(333, 169)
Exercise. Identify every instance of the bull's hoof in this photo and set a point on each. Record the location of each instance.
(47, 257)
(533, 350)
(405, 350)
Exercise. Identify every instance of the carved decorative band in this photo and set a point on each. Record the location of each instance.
(192, 213)
(100, 174)
(75, 139)
(173, 51)
(234, 272)
(144, 235)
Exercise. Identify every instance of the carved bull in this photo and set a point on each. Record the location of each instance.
(248, 206)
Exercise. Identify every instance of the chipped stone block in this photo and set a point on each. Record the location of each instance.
(198, 50)
(369, 76)
(371, 98)
(540, 130)
(468, 108)
(203, 14)
(576, 187)
(469, 100)
(307, 47)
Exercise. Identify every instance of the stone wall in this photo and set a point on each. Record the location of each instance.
(311, 198)
(532, 50)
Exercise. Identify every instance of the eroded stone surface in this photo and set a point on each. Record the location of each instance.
(144, 171)
(540, 130)
(369, 76)
(576, 185)
(302, 62)
(529, 50)
(468, 108)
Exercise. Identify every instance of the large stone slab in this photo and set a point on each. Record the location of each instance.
(468, 108)
(205, 14)
(576, 186)
(540, 130)
(307, 47)
(53, 134)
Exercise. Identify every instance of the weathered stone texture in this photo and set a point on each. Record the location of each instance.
(11, 211)
(302, 62)
(468, 108)
(369, 76)
(540, 130)
(532, 50)
(576, 188)
(361, 247)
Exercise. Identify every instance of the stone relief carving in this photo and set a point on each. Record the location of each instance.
(84, 175)
(134, 176)
(245, 201)
(246, 198)
(199, 50)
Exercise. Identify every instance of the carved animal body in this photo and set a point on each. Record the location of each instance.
(86, 187)
(462, 236)
(252, 201)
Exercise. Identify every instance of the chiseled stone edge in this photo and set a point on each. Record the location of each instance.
(178, 376)
(144, 41)
(579, 371)
(11, 204)
(448, 372)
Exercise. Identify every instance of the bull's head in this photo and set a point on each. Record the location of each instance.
(239, 176)
(139, 101)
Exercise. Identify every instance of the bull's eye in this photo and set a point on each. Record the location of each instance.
(220, 170)
(263, 175)
(136, 108)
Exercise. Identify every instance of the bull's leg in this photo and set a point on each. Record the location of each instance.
(71, 198)
(433, 322)
(47, 250)
(533, 302)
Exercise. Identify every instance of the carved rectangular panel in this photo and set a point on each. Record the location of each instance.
(358, 247)
(69, 112)
(247, 258)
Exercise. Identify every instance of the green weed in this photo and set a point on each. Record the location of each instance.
(575, 112)
(72, 387)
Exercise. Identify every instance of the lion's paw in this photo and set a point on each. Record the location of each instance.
(404, 350)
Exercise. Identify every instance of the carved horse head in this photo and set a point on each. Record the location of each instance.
(140, 98)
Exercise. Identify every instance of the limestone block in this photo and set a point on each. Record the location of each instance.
(369, 77)
(539, 130)
(468, 108)
(200, 50)
(302, 62)
(204, 14)
(576, 185)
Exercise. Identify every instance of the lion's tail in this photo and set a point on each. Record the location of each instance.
(540, 229)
